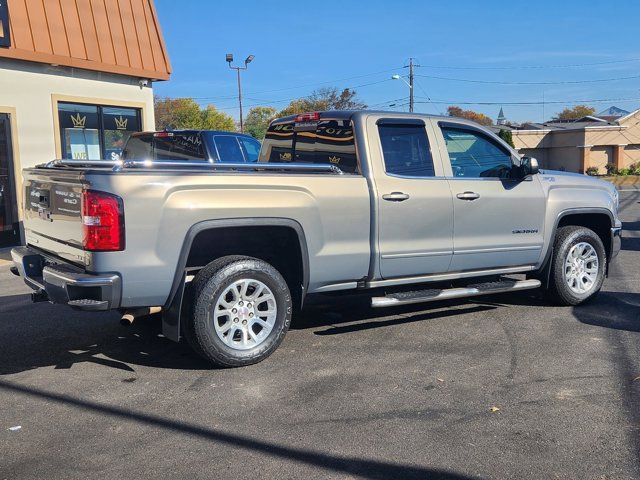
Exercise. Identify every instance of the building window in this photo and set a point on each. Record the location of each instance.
(5, 37)
(93, 132)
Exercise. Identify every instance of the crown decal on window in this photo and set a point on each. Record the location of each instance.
(78, 121)
(121, 123)
(334, 159)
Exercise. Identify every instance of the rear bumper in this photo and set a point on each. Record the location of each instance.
(60, 282)
(616, 241)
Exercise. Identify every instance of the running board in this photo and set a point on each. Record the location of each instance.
(432, 295)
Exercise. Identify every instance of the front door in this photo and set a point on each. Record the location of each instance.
(498, 220)
(9, 226)
(415, 211)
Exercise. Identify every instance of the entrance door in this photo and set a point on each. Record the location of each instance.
(9, 227)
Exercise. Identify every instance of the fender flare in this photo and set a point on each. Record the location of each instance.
(174, 305)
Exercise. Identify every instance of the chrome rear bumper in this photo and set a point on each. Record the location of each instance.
(60, 282)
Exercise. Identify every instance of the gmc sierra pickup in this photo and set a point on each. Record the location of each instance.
(410, 208)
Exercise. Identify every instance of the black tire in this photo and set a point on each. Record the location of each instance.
(566, 238)
(210, 283)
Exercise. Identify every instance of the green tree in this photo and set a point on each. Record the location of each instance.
(506, 136)
(213, 119)
(258, 120)
(477, 117)
(575, 113)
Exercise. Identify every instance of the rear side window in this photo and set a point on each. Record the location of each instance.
(406, 151)
(474, 155)
(228, 149)
(251, 148)
(323, 142)
(139, 147)
(169, 147)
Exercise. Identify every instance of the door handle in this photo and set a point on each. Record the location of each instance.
(395, 197)
(468, 196)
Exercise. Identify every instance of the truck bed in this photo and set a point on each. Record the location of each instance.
(163, 205)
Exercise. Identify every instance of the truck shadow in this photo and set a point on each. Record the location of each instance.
(44, 335)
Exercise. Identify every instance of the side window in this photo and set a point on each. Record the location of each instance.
(326, 141)
(229, 149)
(406, 150)
(475, 155)
(178, 147)
(251, 148)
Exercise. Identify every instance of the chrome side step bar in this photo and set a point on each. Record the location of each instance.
(432, 295)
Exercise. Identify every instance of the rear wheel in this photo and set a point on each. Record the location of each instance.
(578, 265)
(242, 311)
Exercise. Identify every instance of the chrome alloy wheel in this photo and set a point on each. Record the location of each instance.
(245, 314)
(581, 268)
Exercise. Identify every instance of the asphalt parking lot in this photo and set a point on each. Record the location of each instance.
(500, 387)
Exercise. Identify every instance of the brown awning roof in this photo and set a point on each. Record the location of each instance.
(115, 36)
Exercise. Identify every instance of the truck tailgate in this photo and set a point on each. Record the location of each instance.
(53, 212)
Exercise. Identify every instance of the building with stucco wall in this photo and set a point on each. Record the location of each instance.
(75, 80)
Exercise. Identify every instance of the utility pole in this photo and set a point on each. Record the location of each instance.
(411, 84)
(247, 61)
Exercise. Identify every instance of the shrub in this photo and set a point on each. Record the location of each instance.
(624, 172)
(593, 171)
(611, 169)
(634, 168)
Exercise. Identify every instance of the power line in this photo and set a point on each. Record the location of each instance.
(553, 102)
(501, 82)
(284, 89)
(525, 67)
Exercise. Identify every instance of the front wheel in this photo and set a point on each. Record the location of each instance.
(242, 311)
(578, 266)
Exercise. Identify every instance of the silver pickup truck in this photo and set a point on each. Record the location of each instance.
(409, 208)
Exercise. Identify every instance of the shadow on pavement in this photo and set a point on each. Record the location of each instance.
(364, 468)
(43, 335)
(614, 310)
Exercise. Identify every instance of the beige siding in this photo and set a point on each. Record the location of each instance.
(599, 157)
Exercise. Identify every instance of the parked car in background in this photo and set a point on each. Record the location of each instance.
(197, 145)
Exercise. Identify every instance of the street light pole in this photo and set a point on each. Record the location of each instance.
(247, 61)
(410, 85)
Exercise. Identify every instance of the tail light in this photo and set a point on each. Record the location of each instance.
(102, 221)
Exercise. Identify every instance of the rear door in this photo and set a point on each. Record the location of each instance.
(414, 205)
(498, 220)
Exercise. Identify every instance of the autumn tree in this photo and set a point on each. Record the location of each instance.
(185, 113)
(213, 119)
(575, 113)
(258, 120)
(477, 117)
(328, 98)
(174, 113)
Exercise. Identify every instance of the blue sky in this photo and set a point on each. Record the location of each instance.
(300, 46)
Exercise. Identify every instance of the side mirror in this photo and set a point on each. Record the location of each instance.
(529, 166)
